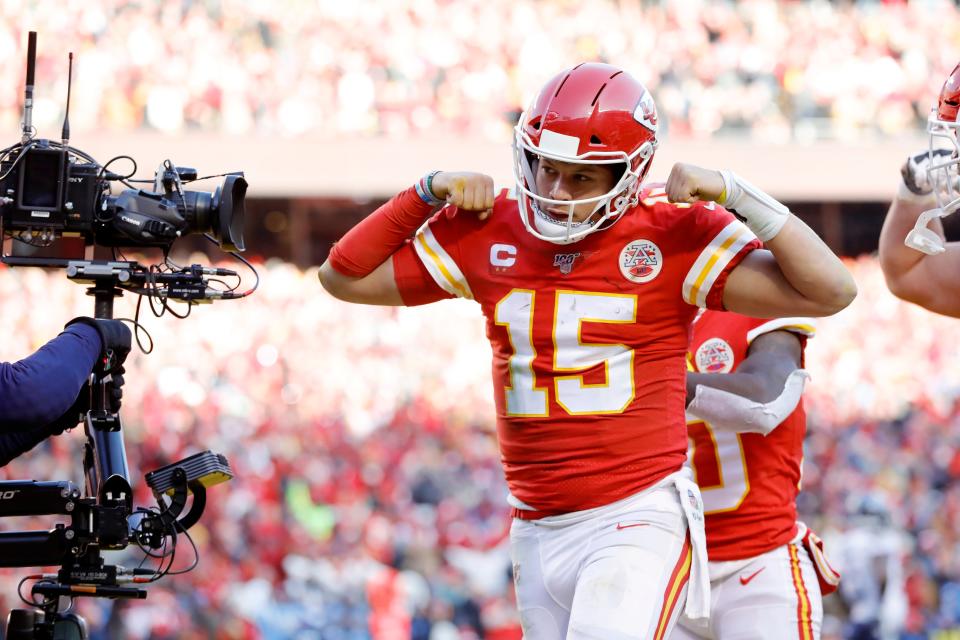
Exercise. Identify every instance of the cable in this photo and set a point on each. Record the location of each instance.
(30, 603)
(196, 553)
(23, 149)
(236, 255)
(218, 175)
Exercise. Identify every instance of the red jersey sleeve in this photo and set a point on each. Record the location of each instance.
(414, 282)
(723, 242)
(428, 268)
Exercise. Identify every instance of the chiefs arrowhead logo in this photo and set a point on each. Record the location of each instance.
(646, 112)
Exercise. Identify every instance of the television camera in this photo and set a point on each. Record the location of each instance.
(56, 206)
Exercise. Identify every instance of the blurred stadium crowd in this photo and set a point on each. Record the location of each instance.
(368, 499)
(770, 70)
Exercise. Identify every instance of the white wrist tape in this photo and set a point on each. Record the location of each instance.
(727, 411)
(904, 193)
(761, 213)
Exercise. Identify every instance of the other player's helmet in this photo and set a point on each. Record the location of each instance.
(592, 114)
(943, 125)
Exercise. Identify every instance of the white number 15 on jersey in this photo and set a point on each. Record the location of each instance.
(570, 353)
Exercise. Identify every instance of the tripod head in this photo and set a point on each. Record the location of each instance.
(103, 517)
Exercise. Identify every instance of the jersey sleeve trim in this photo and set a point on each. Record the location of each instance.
(803, 326)
(440, 265)
(712, 261)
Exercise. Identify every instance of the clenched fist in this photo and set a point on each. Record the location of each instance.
(465, 190)
(690, 183)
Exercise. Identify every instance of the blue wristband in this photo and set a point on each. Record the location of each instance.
(425, 190)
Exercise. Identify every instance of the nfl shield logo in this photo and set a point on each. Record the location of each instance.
(695, 504)
(641, 261)
(565, 261)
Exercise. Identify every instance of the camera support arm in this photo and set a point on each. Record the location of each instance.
(31, 498)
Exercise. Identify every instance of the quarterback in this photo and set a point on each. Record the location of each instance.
(746, 423)
(589, 281)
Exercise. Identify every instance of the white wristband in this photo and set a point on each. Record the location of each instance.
(762, 214)
(905, 194)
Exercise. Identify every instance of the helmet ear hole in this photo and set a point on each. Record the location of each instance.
(595, 139)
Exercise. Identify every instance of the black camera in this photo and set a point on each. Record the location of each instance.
(50, 190)
(56, 200)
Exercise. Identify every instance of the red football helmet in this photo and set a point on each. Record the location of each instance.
(592, 114)
(943, 124)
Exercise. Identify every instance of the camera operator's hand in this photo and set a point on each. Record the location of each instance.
(78, 410)
(115, 341)
(115, 390)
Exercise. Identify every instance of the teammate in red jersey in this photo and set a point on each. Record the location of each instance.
(746, 423)
(589, 283)
(918, 264)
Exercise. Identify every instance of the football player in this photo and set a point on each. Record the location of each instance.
(917, 262)
(589, 282)
(746, 423)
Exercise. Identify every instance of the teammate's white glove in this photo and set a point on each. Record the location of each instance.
(917, 184)
(727, 411)
(759, 211)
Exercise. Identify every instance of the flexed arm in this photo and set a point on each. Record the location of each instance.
(359, 269)
(797, 274)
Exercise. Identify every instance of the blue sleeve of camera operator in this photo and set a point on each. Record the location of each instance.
(15, 443)
(38, 389)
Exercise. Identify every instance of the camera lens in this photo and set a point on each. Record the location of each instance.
(220, 214)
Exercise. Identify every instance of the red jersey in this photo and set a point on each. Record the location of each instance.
(589, 339)
(749, 481)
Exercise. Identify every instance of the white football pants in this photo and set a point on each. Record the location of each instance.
(773, 596)
(617, 572)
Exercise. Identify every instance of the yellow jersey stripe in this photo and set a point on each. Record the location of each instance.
(803, 326)
(713, 260)
(717, 262)
(440, 265)
(705, 255)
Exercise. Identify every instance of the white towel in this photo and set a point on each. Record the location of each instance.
(698, 588)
